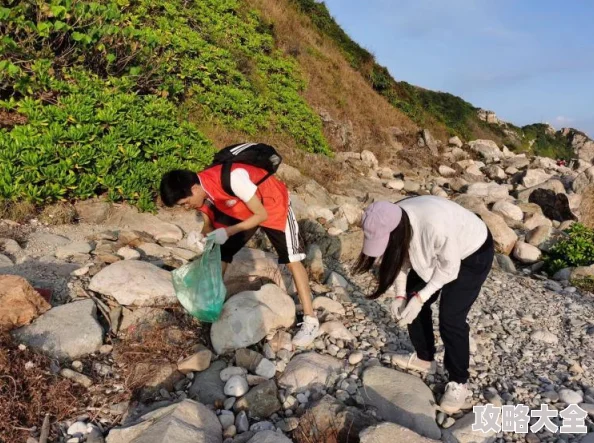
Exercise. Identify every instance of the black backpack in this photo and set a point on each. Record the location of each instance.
(259, 155)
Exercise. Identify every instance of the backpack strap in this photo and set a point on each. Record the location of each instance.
(226, 178)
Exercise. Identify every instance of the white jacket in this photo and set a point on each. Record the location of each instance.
(443, 234)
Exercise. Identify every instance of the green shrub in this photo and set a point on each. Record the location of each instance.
(575, 250)
(103, 85)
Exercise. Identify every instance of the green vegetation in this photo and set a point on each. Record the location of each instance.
(101, 92)
(547, 144)
(576, 250)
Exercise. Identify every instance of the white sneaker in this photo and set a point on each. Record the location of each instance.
(454, 397)
(414, 363)
(308, 332)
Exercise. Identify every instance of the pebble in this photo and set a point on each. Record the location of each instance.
(241, 422)
(77, 428)
(229, 372)
(230, 432)
(229, 403)
(105, 349)
(262, 426)
(76, 377)
(236, 386)
(227, 419)
(77, 365)
(570, 397)
(302, 398)
(266, 369)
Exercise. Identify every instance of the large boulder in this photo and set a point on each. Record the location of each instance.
(488, 192)
(554, 206)
(208, 388)
(539, 235)
(526, 253)
(391, 432)
(184, 422)
(455, 141)
(135, 283)
(402, 399)
(250, 316)
(462, 432)
(487, 149)
(494, 172)
(350, 244)
(130, 218)
(93, 211)
(307, 371)
(534, 177)
(21, 304)
(369, 159)
(583, 180)
(532, 221)
(503, 236)
(260, 402)
(552, 185)
(69, 331)
(253, 268)
(508, 209)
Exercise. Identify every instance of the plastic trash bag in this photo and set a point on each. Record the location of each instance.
(199, 284)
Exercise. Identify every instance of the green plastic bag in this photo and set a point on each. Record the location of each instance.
(199, 284)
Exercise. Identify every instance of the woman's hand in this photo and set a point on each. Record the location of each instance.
(397, 307)
(413, 307)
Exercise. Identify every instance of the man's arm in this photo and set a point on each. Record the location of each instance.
(260, 215)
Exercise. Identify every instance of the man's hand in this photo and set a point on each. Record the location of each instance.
(397, 307)
(220, 236)
(413, 307)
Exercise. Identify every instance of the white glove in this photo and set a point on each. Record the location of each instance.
(220, 236)
(397, 307)
(411, 311)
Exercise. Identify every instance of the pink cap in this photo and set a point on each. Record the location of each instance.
(379, 220)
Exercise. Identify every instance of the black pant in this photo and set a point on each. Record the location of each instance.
(456, 300)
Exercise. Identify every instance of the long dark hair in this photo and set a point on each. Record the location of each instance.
(392, 260)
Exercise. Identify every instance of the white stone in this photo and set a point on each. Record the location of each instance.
(446, 171)
(489, 192)
(526, 253)
(77, 427)
(369, 159)
(135, 283)
(488, 149)
(316, 212)
(337, 280)
(128, 253)
(327, 304)
(355, 357)
(266, 369)
(70, 250)
(570, 397)
(534, 177)
(236, 386)
(391, 433)
(396, 185)
(307, 371)
(232, 371)
(250, 316)
(455, 141)
(336, 330)
(508, 209)
(544, 336)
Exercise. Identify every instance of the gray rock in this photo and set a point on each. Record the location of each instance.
(68, 331)
(247, 359)
(544, 336)
(185, 422)
(269, 437)
(72, 249)
(391, 432)
(5, 262)
(231, 371)
(329, 305)
(506, 263)
(488, 149)
(241, 422)
(261, 401)
(526, 253)
(307, 371)
(135, 283)
(250, 316)
(208, 387)
(128, 253)
(488, 192)
(236, 386)
(461, 432)
(266, 369)
(402, 399)
(570, 397)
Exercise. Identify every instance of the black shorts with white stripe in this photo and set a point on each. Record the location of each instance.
(286, 243)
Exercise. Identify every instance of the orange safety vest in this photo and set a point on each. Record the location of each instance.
(273, 194)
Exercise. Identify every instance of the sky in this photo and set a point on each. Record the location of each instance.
(529, 61)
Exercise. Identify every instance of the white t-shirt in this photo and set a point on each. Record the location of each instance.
(241, 185)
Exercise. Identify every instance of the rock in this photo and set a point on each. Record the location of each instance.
(237, 386)
(455, 141)
(252, 268)
(72, 249)
(534, 220)
(582, 272)
(526, 253)
(281, 340)
(197, 362)
(156, 377)
(563, 274)
(544, 336)
(231, 371)
(241, 422)
(76, 377)
(336, 330)
(329, 305)
(494, 172)
(336, 280)
(474, 170)
(230, 432)
(402, 399)
(248, 359)
(308, 371)
(128, 253)
(385, 173)
(446, 171)
(260, 402)
(78, 427)
(588, 438)
(554, 206)
(488, 149)
(553, 184)
(355, 357)
(135, 283)
(21, 303)
(5, 262)
(503, 236)
(473, 204)
(538, 235)
(315, 262)
(317, 212)
(290, 175)
(389, 433)
(352, 213)
(534, 177)
(461, 431)
(130, 218)
(249, 316)
(438, 192)
(488, 192)
(269, 437)
(411, 186)
(570, 397)
(396, 185)
(508, 209)
(67, 331)
(208, 388)
(583, 180)
(506, 263)
(429, 142)
(349, 245)
(154, 250)
(369, 159)
(266, 369)
(92, 211)
(185, 422)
